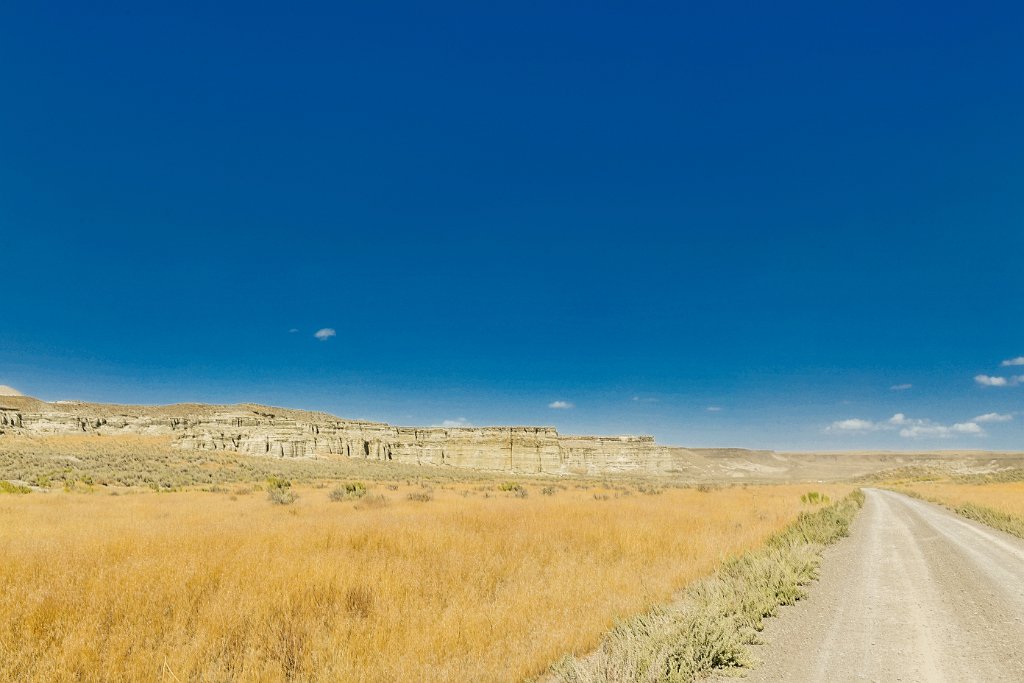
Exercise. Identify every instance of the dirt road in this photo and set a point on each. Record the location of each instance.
(915, 594)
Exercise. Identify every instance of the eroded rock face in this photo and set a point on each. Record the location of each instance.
(276, 432)
(282, 433)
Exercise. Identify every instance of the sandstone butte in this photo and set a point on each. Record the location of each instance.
(285, 433)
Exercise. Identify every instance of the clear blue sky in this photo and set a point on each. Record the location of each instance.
(644, 210)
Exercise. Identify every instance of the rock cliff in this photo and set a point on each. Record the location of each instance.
(283, 433)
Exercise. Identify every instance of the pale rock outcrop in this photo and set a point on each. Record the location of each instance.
(281, 433)
(277, 432)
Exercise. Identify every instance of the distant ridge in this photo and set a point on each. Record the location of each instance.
(271, 432)
(266, 431)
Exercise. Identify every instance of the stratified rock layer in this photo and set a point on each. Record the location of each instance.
(277, 432)
(281, 433)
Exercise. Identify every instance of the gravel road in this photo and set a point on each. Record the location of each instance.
(915, 594)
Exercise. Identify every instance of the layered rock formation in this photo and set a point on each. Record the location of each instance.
(281, 433)
(276, 432)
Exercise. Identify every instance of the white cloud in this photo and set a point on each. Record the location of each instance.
(927, 428)
(325, 333)
(900, 387)
(645, 399)
(909, 428)
(714, 409)
(1019, 360)
(993, 417)
(988, 381)
(293, 330)
(852, 425)
(457, 422)
(968, 428)
(561, 405)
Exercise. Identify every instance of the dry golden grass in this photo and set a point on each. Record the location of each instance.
(476, 584)
(1005, 497)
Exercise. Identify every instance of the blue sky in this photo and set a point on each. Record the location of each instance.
(718, 223)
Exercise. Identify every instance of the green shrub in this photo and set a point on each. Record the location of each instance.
(8, 487)
(276, 482)
(351, 491)
(279, 491)
(815, 498)
(282, 496)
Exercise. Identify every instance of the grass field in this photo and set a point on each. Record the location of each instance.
(463, 581)
(997, 503)
(713, 620)
(1007, 497)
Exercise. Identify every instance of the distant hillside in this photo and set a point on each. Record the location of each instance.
(284, 433)
(271, 432)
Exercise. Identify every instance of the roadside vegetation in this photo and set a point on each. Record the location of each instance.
(712, 621)
(364, 578)
(993, 499)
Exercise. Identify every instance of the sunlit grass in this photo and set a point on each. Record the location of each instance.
(1007, 497)
(470, 583)
(999, 503)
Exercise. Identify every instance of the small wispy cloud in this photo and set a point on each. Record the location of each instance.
(927, 428)
(325, 333)
(714, 409)
(1019, 360)
(996, 381)
(644, 399)
(561, 405)
(900, 387)
(993, 417)
(293, 330)
(457, 422)
(853, 424)
(908, 428)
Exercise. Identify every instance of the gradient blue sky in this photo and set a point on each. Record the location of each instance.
(645, 210)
